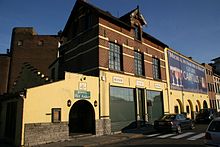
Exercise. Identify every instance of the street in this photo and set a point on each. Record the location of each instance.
(188, 137)
(154, 139)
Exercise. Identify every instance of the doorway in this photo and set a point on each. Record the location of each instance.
(82, 118)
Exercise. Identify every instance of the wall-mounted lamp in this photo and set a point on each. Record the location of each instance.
(95, 103)
(69, 103)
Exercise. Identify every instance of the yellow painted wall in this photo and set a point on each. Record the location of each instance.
(40, 100)
(185, 97)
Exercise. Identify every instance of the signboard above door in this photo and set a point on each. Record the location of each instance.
(82, 94)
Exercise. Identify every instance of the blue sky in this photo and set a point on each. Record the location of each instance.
(191, 27)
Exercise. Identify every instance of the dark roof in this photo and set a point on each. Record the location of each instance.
(127, 17)
(154, 40)
(5, 55)
(109, 17)
(218, 58)
(101, 13)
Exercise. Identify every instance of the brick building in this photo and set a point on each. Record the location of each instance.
(210, 85)
(90, 32)
(116, 49)
(4, 72)
(123, 82)
(217, 90)
(29, 47)
(216, 65)
(110, 75)
(187, 88)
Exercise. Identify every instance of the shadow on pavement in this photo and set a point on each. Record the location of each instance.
(139, 128)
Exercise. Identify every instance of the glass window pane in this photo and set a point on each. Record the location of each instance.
(122, 107)
(115, 56)
(154, 105)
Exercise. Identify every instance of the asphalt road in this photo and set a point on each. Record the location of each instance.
(187, 138)
(156, 139)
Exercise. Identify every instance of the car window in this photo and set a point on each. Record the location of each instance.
(177, 117)
(169, 117)
(214, 126)
(182, 117)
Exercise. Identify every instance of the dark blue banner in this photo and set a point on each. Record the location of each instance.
(185, 75)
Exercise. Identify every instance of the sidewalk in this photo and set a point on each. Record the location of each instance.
(90, 141)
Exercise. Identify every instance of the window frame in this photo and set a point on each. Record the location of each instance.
(139, 63)
(115, 57)
(40, 43)
(53, 118)
(137, 32)
(156, 68)
(20, 43)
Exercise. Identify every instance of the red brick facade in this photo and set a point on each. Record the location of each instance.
(4, 72)
(210, 85)
(87, 50)
(27, 46)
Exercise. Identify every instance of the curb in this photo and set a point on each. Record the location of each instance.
(124, 138)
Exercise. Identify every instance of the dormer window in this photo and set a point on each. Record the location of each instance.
(137, 32)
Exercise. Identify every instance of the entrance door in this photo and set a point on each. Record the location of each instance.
(11, 115)
(82, 118)
(141, 102)
(205, 105)
(154, 105)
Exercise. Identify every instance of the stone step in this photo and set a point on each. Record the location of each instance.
(80, 135)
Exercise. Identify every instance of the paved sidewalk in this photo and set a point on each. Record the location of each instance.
(90, 141)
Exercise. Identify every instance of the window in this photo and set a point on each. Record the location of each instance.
(75, 27)
(88, 21)
(137, 33)
(156, 68)
(138, 63)
(115, 57)
(176, 109)
(122, 107)
(214, 126)
(53, 74)
(56, 115)
(187, 109)
(197, 108)
(40, 43)
(155, 105)
(20, 43)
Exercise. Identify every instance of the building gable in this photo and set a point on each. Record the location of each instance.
(134, 17)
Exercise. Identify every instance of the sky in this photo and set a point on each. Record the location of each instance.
(191, 27)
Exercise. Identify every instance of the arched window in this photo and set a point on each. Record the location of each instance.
(137, 32)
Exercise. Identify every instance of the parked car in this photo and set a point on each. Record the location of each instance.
(174, 122)
(206, 115)
(212, 134)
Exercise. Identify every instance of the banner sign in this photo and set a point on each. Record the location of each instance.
(185, 75)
